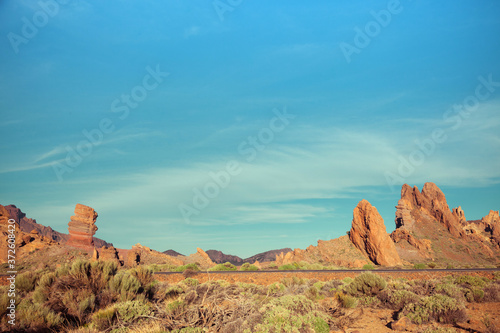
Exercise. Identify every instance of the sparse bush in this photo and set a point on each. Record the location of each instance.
(451, 290)
(472, 281)
(492, 293)
(273, 266)
(438, 308)
(224, 267)
(275, 288)
(420, 266)
(368, 267)
(36, 318)
(450, 266)
(189, 273)
(190, 282)
(474, 295)
(126, 285)
(431, 265)
(248, 267)
(368, 284)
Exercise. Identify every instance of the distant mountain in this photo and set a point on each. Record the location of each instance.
(267, 256)
(27, 225)
(219, 258)
(173, 253)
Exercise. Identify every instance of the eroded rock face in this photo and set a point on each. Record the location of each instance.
(82, 227)
(369, 235)
(492, 223)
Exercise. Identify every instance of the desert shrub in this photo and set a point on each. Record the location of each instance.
(288, 267)
(346, 301)
(450, 266)
(275, 288)
(193, 267)
(420, 266)
(474, 295)
(143, 274)
(368, 284)
(292, 281)
(37, 318)
(471, 281)
(224, 267)
(189, 330)
(423, 287)
(331, 285)
(439, 330)
(292, 314)
(130, 311)
(190, 282)
(26, 282)
(431, 265)
(126, 285)
(173, 291)
(397, 299)
(438, 307)
(368, 267)
(273, 266)
(492, 293)
(451, 290)
(347, 280)
(248, 267)
(104, 318)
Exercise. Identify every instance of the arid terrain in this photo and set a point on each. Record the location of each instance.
(76, 282)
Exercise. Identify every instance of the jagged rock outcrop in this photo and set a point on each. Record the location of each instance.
(82, 227)
(492, 224)
(369, 235)
(432, 201)
(426, 229)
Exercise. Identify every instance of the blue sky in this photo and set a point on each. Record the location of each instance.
(301, 109)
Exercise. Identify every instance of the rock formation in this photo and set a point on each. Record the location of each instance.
(426, 229)
(369, 235)
(431, 201)
(82, 227)
(266, 256)
(338, 252)
(492, 224)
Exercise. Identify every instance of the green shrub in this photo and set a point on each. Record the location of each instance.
(143, 274)
(474, 295)
(292, 314)
(420, 266)
(346, 301)
(450, 266)
(190, 282)
(368, 284)
(37, 318)
(224, 267)
(126, 285)
(288, 267)
(273, 266)
(248, 267)
(193, 267)
(439, 308)
(472, 281)
(451, 290)
(104, 318)
(397, 299)
(431, 265)
(368, 267)
(275, 288)
(130, 311)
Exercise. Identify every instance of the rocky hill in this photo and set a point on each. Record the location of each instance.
(172, 253)
(219, 257)
(267, 256)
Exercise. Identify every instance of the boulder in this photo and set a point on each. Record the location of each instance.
(369, 235)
